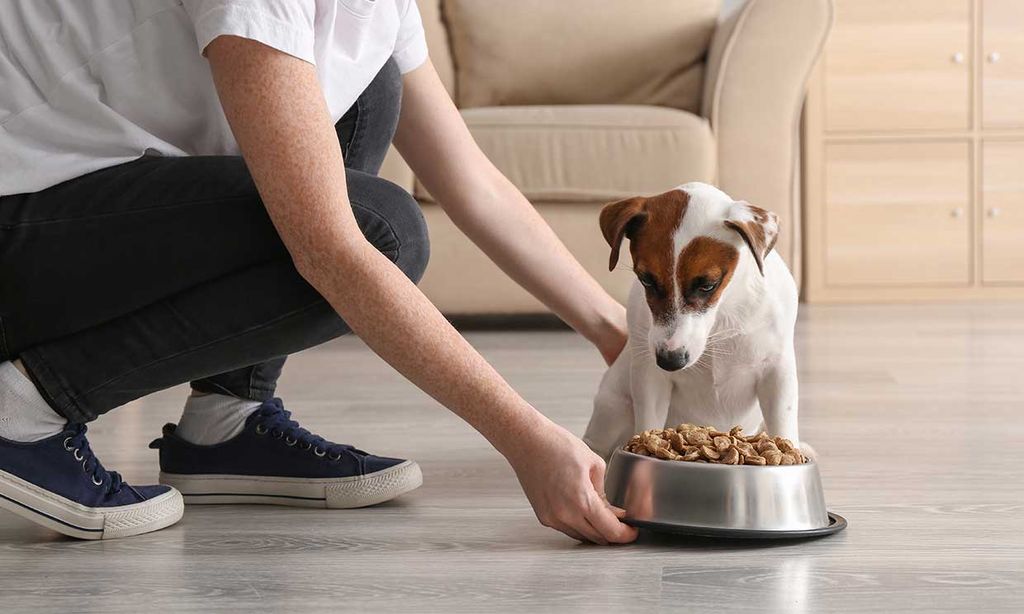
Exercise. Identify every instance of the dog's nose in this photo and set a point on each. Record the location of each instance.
(672, 361)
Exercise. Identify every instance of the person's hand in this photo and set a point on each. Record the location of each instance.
(564, 482)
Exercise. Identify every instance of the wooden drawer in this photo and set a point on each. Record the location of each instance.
(897, 214)
(1002, 197)
(899, 65)
(1003, 63)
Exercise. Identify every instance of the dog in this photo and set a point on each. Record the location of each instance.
(711, 319)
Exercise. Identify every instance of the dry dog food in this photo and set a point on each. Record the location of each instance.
(705, 444)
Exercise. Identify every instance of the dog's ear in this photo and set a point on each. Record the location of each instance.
(758, 227)
(621, 220)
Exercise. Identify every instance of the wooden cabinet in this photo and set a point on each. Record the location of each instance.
(914, 153)
(1002, 197)
(897, 213)
(899, 65)
(1003, 63)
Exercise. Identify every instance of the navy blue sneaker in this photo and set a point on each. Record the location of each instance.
(276, 461)
(59, 483)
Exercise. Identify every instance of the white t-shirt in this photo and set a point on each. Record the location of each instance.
(86, 85)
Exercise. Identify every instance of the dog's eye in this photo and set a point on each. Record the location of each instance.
(705, 286)
(648, 281)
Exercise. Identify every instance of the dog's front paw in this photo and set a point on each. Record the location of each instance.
(809, 451)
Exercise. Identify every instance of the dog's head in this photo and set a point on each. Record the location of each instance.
(687, 246)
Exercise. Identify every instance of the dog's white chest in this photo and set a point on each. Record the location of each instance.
(719, 392)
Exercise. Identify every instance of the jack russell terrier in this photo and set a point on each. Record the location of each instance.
(711, 318)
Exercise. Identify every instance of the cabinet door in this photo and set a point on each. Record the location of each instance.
(898, 65)
(1002, 193)
(896, 214)
(1003, 63)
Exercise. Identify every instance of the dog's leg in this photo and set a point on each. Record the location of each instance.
(778, 394)
(611, 424)
(651, 389)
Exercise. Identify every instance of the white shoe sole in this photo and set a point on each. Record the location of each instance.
(332, 493)
(70, 518)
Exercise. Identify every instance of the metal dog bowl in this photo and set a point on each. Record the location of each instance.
(745, 501)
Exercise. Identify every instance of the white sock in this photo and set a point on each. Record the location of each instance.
(212, 418)
(24, 414)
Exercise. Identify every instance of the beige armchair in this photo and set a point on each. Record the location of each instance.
(581, 102)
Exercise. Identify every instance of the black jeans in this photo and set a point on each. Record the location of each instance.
(160, 271)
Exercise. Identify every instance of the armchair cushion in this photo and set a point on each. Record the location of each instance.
(593, 153)
(535, 52)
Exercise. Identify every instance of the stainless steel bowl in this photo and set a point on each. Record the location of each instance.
(720, 500)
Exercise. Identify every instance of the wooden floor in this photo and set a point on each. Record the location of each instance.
(917, 412)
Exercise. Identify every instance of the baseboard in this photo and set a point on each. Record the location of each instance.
(509, 321)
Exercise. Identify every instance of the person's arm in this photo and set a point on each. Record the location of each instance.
(494, 214)
(278, 115)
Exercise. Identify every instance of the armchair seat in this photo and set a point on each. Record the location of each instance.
(592, 153)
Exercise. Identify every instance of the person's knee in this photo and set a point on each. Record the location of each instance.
(413, 238)
(393, 222)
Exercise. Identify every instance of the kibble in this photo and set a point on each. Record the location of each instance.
(705, 444)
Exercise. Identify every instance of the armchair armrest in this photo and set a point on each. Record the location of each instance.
(757, 69)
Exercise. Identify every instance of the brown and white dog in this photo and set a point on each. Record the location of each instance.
(711, 319)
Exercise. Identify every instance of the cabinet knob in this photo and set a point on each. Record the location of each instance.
(994, 57)
(958, 57)
(994, 212)
(957, 213)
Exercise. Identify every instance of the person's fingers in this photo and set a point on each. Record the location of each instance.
(604, 517)
(570, 532)
(580, 525)
(597, 470)
(597, 537)
(608, 524)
